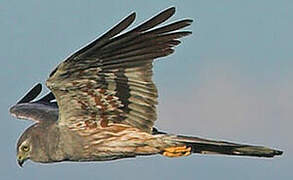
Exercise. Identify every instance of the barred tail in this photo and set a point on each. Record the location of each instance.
(205, 146)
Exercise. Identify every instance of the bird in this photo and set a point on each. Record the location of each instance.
(102, 102)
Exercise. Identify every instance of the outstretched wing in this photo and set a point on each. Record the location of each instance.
(42, 110)
(110, 80)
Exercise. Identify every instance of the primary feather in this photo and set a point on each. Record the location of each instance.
(110, 80)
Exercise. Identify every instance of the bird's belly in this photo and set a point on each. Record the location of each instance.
(110, 144)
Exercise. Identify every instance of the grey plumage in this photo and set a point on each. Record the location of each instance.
(42, 110)
(106, 102)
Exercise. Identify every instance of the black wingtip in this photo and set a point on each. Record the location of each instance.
(132, 16)
(171, 9)
(156, 20)
(49, 97)
(32, 94)
(189, 21)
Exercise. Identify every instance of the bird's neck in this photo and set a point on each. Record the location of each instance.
(49, 146)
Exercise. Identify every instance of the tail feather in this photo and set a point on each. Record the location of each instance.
(205, 146)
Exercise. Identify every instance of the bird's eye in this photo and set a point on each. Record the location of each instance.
(25, 148)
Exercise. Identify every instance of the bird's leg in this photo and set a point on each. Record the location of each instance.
(177, 151)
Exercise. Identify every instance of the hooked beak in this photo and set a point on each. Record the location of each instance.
(20, 162)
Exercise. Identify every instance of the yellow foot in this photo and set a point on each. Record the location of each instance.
(177, 151)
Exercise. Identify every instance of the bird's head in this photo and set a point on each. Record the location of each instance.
(34, 143)
(29, 145)
(24, 149)
(25, 146)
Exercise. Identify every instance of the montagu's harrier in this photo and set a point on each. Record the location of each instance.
(103, 102)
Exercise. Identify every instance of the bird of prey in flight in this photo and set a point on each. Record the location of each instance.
(102, 104)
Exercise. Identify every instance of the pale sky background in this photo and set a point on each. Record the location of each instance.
(232, 80)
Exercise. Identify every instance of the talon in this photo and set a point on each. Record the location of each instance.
(177, 151)
(187, 153)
